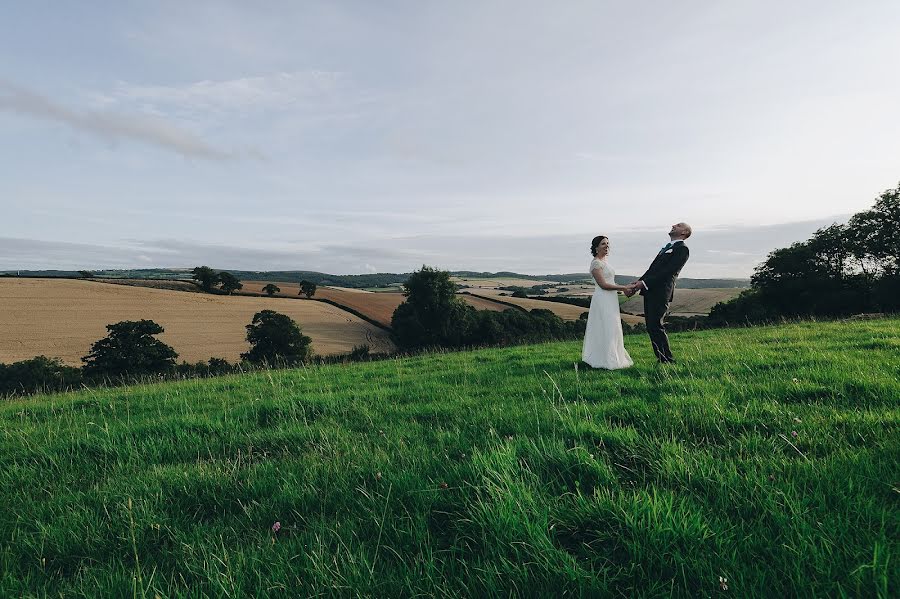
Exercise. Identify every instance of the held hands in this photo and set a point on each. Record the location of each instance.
(632, 289)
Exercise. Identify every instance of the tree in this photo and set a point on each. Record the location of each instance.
(86, 274)
(432, 315)
(271, 289)
(307, 288)
(875, 234)
(520, 293)
(206, 277)
(130, 348)
(275, 339)
(229, 282)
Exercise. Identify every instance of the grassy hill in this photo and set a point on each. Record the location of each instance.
(769, 457)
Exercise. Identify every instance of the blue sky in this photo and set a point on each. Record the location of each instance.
(357, 137)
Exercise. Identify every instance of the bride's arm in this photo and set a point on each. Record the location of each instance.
(597, 273)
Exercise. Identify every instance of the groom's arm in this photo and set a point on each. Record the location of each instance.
(674, 265)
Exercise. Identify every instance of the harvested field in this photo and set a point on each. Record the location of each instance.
(475, 283)
(174, 285)
(564, 311)
(687, 302)
(377, 306)
(62, 318)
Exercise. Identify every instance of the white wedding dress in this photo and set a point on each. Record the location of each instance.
(604, 346)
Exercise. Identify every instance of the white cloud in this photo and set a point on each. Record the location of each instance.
(109, 125)
(276, 91)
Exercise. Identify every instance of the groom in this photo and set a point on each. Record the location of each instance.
(657, 285)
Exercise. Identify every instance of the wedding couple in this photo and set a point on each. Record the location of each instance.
(603, 343)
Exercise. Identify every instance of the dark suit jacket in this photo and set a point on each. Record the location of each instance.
(660, 276)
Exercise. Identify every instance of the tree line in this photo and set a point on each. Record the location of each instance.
(841, 270)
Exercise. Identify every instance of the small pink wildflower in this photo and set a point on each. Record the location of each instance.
(794, 434)
(276, 527)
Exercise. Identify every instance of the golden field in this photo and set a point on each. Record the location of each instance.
(564, 311)
(62, 318)
(377, 306)
(687, 302)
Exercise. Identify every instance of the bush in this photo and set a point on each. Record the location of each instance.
(37, 374)
(276, 340)
(130, 350)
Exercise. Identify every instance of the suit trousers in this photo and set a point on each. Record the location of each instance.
(656, 306)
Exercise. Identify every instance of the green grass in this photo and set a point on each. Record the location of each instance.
(488, 473)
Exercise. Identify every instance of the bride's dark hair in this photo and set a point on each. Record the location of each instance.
(596, 241)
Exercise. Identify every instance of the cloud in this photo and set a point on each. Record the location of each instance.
(148, 129)
(277, 91)
(715, 252)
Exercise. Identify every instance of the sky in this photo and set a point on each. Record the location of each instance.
(353, 137)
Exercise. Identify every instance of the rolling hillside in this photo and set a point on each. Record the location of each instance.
(766, 463)
(62, 318)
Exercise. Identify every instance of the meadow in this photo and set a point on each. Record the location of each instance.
(62, 318)
(765, 463)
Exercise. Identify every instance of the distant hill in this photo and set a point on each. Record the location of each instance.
(355, 281)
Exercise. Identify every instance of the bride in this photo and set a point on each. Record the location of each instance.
(603, 343)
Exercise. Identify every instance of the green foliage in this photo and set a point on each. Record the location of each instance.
(840, 270)
(86, 274)
(229, 283)
(130, 349)
(271, 289)
(307, 288)
(500, 472)
(275, 339)
(519, 293)
(206, 277)
(432, 315)
(37, 374)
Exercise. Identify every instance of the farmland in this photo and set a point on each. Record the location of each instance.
(687, 301)
(61, 318)
(376, 306)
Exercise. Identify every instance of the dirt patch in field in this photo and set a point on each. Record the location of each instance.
(62, 318)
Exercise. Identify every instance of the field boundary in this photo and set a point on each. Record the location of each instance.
(368, 319)
(495, 300)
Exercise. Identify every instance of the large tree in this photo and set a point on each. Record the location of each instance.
(271, 289)
(275, 339)
(229, 282)
(307, 288)
(131, 349)
(432, 315)
(206, 277)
